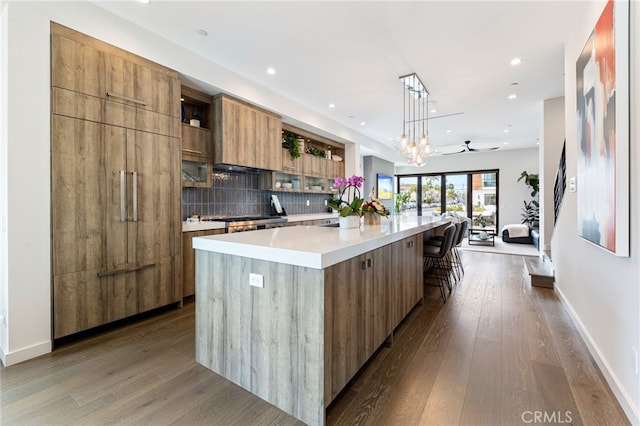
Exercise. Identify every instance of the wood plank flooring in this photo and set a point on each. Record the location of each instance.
(498, 350)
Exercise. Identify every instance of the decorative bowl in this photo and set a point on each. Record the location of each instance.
(336, 158)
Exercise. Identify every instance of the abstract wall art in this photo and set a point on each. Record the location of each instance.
(602, 94)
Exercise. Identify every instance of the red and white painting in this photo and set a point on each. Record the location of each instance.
(602, 85)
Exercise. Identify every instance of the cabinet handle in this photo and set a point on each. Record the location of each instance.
(125, 98)
(123, 212)
(364, 265)
(135, 196)
(410, 244)
(123, 270)
(193, 151)
(369, 263)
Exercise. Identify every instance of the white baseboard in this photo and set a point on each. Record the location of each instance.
(627, 404)
(24, 354)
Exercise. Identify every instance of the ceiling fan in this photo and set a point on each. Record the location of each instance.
(467, 148)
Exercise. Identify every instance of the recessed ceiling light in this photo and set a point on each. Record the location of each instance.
(506, 130)
(433, 110)
(513, 96)
(506, 143)
(202, 32)
(362, 123)
(332, 106)
(516, 61)
(271, 71)
(449, 130)
(145, 1)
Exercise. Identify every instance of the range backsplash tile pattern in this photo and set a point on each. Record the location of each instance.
(237, 194)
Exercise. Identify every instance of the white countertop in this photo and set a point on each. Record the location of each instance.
(316, 247)
(203, 226)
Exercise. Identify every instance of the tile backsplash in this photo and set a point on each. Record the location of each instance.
(237, 193)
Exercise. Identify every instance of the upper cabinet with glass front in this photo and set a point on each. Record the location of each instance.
(197, 137)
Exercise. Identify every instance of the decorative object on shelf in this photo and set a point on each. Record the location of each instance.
(415, 148)
(328, 153)
(350, 190)
(483, 235)
(317, 152)
(292, 143)
(195, 119)
(183, 112)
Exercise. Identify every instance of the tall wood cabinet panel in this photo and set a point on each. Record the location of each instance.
(116, 198)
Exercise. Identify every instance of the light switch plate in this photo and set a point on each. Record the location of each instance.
(256, 280)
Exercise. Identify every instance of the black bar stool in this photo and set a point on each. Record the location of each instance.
(436, 264)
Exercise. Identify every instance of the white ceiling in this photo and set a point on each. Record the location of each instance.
(351, 54)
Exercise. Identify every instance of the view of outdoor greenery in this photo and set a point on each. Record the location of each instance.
(471, 195)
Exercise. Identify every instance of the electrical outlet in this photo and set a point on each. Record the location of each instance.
(635, 359)
(256, 280)
(307, 203)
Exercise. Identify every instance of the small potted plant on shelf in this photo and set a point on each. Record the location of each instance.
(317, 152)
(291, 143)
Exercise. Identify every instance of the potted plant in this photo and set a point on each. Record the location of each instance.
(373, 209)
(531, 209)
(349, 211)
(291, 143)
(402, 198)
(317, 152)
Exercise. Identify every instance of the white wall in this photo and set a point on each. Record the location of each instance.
(550, 150)
(510, 163)
(25, 275)
(601, 290)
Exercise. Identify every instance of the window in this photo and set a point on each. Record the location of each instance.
(489, 180)
(466, 194)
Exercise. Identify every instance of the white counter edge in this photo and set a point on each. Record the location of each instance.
(242, 244)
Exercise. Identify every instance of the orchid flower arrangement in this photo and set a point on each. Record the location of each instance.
(349, 190)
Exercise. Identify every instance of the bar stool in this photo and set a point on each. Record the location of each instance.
(455, 253)
(436, 264)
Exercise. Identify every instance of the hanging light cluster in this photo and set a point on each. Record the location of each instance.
(414, 141)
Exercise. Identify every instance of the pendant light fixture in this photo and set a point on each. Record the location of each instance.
(414, 141)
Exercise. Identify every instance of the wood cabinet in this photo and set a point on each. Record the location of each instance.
(245, 135)
(357, 294)
(85, 65)
(291, 165)
(314, 166)
(189, 259)
(197, 141)
(408, 287)
(116, 209)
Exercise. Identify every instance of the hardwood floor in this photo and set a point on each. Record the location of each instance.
(498, 352)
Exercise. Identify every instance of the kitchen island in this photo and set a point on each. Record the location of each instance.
(291, 314)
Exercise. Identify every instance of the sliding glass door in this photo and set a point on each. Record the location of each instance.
(468, 194)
